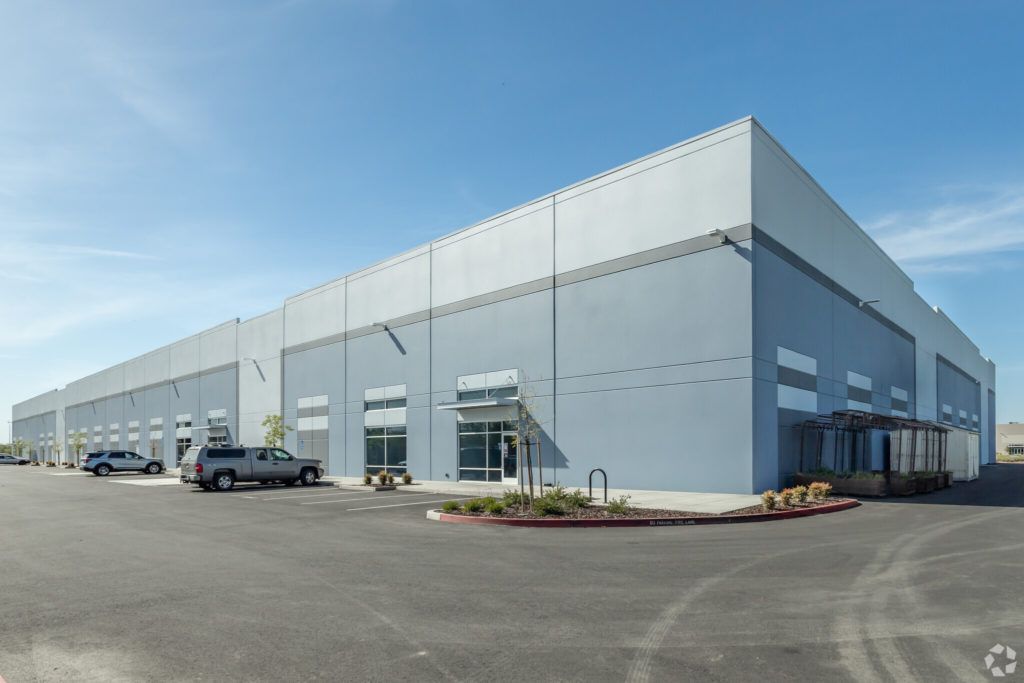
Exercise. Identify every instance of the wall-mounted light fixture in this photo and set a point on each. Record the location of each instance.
(862, 304)
(720, 234)
(383, 326)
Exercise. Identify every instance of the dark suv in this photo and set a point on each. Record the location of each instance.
(102, 463)
(219, 467)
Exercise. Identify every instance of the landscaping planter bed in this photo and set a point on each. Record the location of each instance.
(597, 516)
(902, 486)
(925, 484)
(851, 486)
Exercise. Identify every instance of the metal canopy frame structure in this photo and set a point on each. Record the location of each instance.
(850, 430)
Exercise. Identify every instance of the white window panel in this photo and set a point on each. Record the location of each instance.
(374, 418)
(857, 380)
(797, 361)
(477, 381)
(394, 391)
(501, 378)
(794, 398)
(394, 417)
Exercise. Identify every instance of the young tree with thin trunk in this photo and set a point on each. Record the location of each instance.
(275, 430)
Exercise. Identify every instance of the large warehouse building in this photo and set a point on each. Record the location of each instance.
(670, 321)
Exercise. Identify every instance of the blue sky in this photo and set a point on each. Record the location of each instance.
(165, 167)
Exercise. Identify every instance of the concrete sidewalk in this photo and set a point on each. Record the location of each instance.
(682, 501)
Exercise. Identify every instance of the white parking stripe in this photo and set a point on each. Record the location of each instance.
(271, 489)
(309, 495)
(398, 505)
(350, 500)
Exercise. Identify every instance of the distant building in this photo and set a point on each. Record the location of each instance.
(669, 321)
(1010, 438)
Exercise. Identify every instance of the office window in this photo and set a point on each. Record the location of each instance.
(385, 450)
(385, 404)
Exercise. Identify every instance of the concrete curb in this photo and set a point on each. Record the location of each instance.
(438, 516)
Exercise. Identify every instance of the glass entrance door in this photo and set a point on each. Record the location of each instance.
(487, 451)
(509, 459)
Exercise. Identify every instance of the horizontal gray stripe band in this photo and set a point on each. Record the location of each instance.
(858, 394)
(783, 252)
(670, 251)
(797, 378)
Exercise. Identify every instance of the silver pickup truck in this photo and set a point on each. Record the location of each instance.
(219, 467)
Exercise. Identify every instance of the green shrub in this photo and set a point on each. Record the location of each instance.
(769, 500)
(577, 499)
(548, 505)
(865, 475)
(382, 477)
(367, 478)
(620, 505)
(820, 490)
(786, 497)
(406, 478)
(391, 478)
(495, 507)
(474, 505)
(451, 506)
(800, 492)
(512, 499)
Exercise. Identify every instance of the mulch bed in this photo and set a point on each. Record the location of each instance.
(599, 512)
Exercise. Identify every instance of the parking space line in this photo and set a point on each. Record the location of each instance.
(252, 492)
(398, 505)
(310, 495)
(352, 500)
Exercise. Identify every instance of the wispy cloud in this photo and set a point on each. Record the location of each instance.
(967, 230)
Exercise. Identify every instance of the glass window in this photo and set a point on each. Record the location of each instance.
(278, 454)
(472, 394)
(376, 405)
(261, 454)
(504, 392)
(472, 449)
(386, 450)
(396, 403)
(375, 453)
(225, 453)
(119, 456)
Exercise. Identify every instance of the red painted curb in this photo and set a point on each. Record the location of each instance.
(665, 521)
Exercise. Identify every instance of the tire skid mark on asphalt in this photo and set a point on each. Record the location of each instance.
(875, 584)
(640, 668)
(421, 650)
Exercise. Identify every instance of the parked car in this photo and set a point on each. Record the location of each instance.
(12, 460)
(102, 463)
(218, 467)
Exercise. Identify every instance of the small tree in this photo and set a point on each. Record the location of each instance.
(19, 446)
(58, 447)
(77, 444)
(276, 429)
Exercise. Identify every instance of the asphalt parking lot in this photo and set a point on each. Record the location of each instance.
(107, 581)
